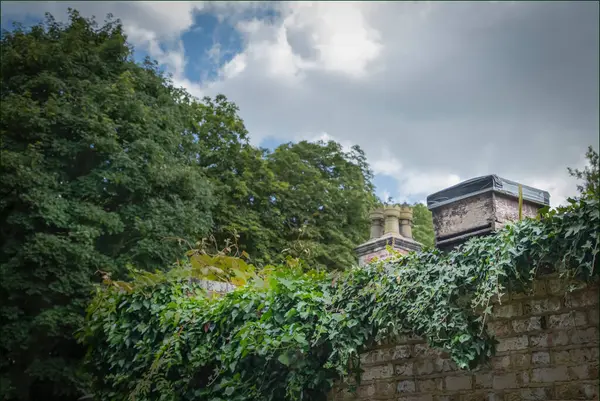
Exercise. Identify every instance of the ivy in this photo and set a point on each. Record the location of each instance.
(288, 335)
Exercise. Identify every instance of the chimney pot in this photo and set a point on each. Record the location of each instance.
(376, 217)
(391, 214)
(406, 218)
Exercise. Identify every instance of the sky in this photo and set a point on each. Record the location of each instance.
(433, 92)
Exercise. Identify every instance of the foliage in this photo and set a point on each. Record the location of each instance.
(98, 169)
(105, 164)
(308, 199)
(423, 225)
(289, 335)
(590, 174)
(323, 202)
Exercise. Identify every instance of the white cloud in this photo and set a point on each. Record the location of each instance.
(448, 90)
(415, 183)
(388, 166)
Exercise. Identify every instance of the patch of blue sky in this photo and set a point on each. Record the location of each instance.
(211, 42)
(271, 143)
(7, 23)
(208, 45)
(385, 187)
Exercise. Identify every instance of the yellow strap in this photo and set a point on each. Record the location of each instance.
(520, 202)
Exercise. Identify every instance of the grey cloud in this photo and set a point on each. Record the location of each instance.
(471, 88)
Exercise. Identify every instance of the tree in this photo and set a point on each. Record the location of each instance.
(590, 174)
(308, 200)
(423, 225)
(323, 201)
(99, 169)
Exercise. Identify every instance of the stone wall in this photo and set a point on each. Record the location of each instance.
(548, 350)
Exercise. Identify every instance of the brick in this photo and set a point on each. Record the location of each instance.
(386, 355)
(424, 367)
(500, 328)
(567, 320)
(523, 378)
(401, 352)
(540, 358)
(576, 356)
(561, 357)
(367, 391)
(508, 380)
(501, 362)
(529, 394)
(550, 375)
(593, 316)
(549, 339)
(520, 361)
(445, 365)
(425, 350)
(453, 397)
(508, 311)
(377, 372)
(526, 325)
(579, 336)
(512, 343)
(383, 389)
(583, 355)
(405, 386)
(579, 299)
(455, 383)
(423, 397)
(430, 385)
(475, 397)
(541, 306)
(483, 380)
(404, 369)
(576, 391)
(580, 372)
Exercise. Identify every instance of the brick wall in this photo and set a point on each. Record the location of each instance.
(379, 254)
(548, 350)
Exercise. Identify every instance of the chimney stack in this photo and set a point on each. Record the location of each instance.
(480, 206)
(390, 226)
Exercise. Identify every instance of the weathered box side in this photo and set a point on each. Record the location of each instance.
(463, 215)
(507, 209)
(548, 350)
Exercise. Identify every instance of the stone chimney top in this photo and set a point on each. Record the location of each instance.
(390, 225)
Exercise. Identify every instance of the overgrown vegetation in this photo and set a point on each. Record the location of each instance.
(288, 335)
(105, 164)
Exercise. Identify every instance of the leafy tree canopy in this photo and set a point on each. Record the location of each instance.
(98, 170)
(423, 225)
(590, 175)
(106, 164)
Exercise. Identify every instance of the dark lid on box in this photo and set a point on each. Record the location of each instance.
(483, 184)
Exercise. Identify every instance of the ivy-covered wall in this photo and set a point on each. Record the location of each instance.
(547, 350)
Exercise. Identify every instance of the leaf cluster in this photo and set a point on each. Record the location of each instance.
(291, 334)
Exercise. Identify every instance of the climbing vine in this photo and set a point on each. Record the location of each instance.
(288, 334)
